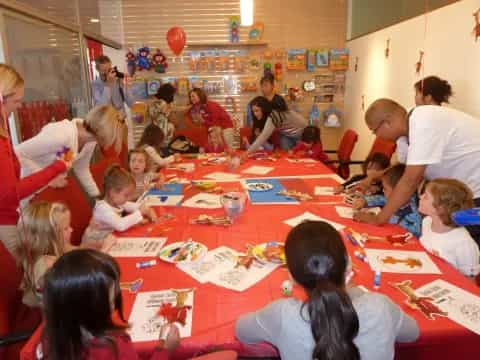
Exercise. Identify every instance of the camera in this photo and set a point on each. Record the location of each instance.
(118, 74)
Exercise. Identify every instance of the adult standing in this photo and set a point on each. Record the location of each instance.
(442, 142)
(267, 85)
(102, 125)
(209, 113)
(12, 188)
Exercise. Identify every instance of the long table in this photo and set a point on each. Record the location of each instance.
(216, 309)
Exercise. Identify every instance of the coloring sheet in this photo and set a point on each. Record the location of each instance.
(136, 247)
(203, 201)
(309, 216)
(403, 262)
(163, 200)
(345, 212)
(461, 306)
(258, 170)
(222, 176)
(145, 321)
(324, 190)
(306, 161)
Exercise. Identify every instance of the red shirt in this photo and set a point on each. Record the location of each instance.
(213, 115)
(12, 188)
(314, 152)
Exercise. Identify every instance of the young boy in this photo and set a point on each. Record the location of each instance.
(407, 216)
(440, 235)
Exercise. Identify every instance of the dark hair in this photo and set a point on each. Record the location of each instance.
(264, 105)
(394, 174)
(200, 93)
(76, 298)
(102, 59)
(166, 92)
(152, 136)
(379, 160)
(311, 135)
(440, 90)
(317, 259)
(267, 78)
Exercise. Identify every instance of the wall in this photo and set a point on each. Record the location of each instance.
(450, 53)
(303, 23)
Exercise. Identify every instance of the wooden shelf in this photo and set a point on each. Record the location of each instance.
(226, 44)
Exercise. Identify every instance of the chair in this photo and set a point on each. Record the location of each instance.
(344, 152)
(383, 146)
(17, 321)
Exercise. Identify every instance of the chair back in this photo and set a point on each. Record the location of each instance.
(344, 152)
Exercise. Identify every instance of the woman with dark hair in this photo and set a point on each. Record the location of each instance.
(336, 321)
(159, 112)
(289, 124)
(209, 113)
(267, 85)
(152, 141)
(432, 91)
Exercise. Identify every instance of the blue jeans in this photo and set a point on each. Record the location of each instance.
(288, 142)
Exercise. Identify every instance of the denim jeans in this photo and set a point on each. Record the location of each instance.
(288, 142)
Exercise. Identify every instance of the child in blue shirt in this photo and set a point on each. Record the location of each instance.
(407, 216)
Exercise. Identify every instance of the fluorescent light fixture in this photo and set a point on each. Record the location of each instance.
(94, 20)
(246, 12)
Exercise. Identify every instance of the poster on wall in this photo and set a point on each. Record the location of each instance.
(296, 59)
(322, 56)
(338, 59)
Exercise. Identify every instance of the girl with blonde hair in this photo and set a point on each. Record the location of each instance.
(45, 233)
(12, 188)
(102, 126)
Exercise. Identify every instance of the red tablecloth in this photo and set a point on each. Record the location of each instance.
(216, 309)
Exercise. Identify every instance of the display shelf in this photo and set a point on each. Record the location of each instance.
(226, 44)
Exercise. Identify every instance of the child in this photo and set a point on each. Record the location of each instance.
(373, 165)
(159, 112)
(257, 127)
(46, 231)
(138, 163)
(216, 143)
(118, 189)
(440, 235)
(311, 145)
(407, 216)
(335, 322)
(152, 141)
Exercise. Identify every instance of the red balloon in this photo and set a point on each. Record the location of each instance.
(176, 39)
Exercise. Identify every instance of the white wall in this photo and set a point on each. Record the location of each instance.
(450, 53)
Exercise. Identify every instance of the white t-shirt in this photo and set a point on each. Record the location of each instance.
(455, 246)
(448, 142)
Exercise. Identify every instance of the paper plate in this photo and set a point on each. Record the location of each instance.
(181, 253)
(273, 252)
(259, 186)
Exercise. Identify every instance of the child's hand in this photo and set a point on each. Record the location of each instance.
(359, 203)
(169, 337)
(339, 189)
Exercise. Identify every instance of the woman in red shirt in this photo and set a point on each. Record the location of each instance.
(12, 188)
(209, 113)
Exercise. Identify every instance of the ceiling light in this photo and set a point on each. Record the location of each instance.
(94, 20)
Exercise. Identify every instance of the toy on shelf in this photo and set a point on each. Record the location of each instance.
(143, 58)
(267, 69)
(234, 24)
(256, 31)
(331, 117)
(159, 62)
(296, 59)
(182, 87)
(311, 60)
(278, 71)
(314, 116)
(339, 59)
(254, 62)
(131, 62)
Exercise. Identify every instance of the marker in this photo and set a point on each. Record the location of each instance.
(361, 256)
(146, 264)
(376, 279)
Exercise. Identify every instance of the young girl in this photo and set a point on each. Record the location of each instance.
(88, 282)
(311, 145)
(440, 235)
(152, 142)
(259, 117)
(45, 233)
(216, 143)
(407, 216)
(335, 322)
(118, 189)
(139, 166)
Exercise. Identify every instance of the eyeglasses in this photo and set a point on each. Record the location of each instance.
(374, 131)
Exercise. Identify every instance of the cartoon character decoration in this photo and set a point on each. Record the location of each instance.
(176, 313)
(332, 117)
(159, 62)
(267, 69)
(278, 71)
(131, 62)
(234, 24)
(176, 39)
(256, 31)
(476, 29)
(143, 58)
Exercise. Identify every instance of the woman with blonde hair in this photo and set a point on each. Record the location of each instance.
(12, 188)
(45, 233)
(102, 126)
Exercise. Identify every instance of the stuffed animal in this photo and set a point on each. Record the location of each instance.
(159, 62)
(143, 58)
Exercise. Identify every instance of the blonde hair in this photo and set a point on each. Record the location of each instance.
(40, 234)
(106, 124)
(116, 178)
(10, 80)
(140, 150)
(449, 196)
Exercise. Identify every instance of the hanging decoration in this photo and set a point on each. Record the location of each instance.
(355, 68)
(234, 25)
(176, 39)
(419, 63)
(143, 58)
(476, 29)
(387, 49)
(159, 62)
(131, 62)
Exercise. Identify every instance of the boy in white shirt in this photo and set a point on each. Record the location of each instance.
(440, 235)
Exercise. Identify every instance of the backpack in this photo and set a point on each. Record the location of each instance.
(180, 144)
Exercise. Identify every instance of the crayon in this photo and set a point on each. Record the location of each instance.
(376, 279)
(146, 264)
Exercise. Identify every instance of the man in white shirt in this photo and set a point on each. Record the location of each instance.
(437, 141)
